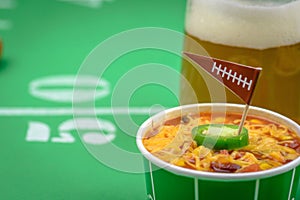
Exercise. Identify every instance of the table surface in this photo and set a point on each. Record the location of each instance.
(58, 142)
(58, 146)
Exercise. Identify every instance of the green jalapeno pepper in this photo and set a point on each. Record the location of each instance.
(220, 136)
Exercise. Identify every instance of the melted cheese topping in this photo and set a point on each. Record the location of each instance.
(270, 145)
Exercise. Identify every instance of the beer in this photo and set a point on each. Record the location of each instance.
(257, 33)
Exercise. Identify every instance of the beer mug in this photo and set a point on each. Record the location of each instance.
(259, 33)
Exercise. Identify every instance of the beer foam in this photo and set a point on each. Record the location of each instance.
(245, 23)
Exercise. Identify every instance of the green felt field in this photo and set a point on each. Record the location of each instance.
(54, 148)
(60, 142)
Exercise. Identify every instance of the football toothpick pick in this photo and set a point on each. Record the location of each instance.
(240, 79)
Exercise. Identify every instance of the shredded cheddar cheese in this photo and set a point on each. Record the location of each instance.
(270, 145)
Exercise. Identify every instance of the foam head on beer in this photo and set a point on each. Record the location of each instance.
(258, 33)
(249, 23)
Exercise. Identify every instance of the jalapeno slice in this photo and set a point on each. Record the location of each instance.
(220, 136)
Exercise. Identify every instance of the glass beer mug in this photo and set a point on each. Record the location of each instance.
(259, 33)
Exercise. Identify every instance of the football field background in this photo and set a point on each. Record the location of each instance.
(60, 142)
(55, 145)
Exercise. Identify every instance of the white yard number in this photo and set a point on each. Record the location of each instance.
(60, 89)
(91, 131)
(88, 3)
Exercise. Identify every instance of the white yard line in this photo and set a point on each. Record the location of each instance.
(256, 191)
(292, 183)
(196, 189)
(64, 111)
(152, 180)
